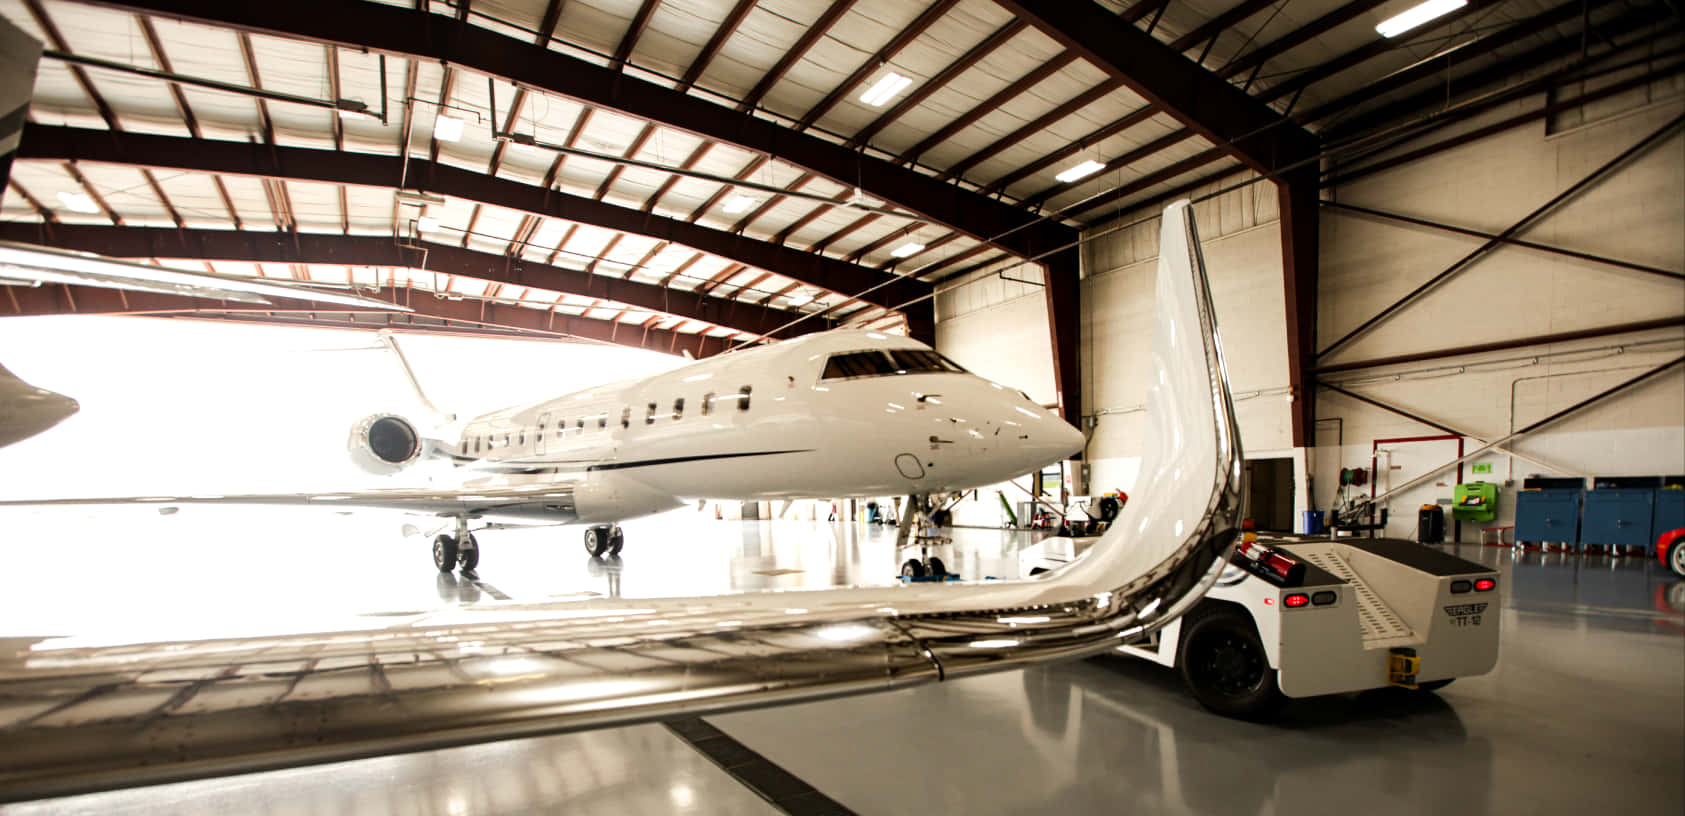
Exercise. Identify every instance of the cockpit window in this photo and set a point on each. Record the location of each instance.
(854, 364)
(858, 364)
(920, 361)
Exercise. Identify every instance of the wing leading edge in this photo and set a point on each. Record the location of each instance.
(551, 500)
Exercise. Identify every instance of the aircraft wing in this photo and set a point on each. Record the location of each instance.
(29, 265)
(549, 499)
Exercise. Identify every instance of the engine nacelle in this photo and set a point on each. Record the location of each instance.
(385, 443)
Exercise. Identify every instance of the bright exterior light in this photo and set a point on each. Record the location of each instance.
(885, 89)
(79, 202)
(907, 249)
(1087, 168)
(447, 128)
(739, 204)
(427, 223)
(800, 300)
(1432, 9)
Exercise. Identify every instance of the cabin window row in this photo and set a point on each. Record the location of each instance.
(486, 442)
(710, 400)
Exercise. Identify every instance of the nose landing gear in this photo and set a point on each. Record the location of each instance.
(920, 517)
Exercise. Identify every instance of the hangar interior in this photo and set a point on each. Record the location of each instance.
(1449, 255)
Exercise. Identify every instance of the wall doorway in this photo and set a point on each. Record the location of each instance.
(1269, 493)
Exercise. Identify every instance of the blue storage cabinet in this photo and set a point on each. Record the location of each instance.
(1619, 517)
(1548, 515)
(1670, 515)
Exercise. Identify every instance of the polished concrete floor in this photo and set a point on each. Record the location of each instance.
(1585, 712)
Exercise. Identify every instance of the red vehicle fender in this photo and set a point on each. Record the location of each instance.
(1665, 540)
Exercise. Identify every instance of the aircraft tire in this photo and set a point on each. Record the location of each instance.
(596, 542)
(616, 540)
(470, 557)
(914, 568)
(444, 553)
(936, 566)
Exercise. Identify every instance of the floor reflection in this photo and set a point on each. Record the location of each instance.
(1585, 711)
(637, 770)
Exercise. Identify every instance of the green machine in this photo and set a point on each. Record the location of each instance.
(1475, 501)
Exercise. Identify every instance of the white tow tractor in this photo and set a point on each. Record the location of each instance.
(1302, 616)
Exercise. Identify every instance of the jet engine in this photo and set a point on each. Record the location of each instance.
(385, 443)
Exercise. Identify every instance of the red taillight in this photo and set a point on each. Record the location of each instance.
(1484, 584)
(1296, 600)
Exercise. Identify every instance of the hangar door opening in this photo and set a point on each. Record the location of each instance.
(1269, 493)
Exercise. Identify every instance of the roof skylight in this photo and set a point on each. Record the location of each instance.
(447, 128)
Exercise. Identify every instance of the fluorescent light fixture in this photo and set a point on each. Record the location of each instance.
(447, 128)
(800, 300)
(79, 202)
(907, 249)
(418, 198)
(885, 89)
(1415, 16)
(1087, 168)
(347, 113)
(427, 223)
(738, 204)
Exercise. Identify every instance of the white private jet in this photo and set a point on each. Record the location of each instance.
(838, 414)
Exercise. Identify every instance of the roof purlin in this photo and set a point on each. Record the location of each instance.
(305, 164)
(394, 30)
(379, 250)
(519, 319)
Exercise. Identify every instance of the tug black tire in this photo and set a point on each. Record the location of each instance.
(1223, 662)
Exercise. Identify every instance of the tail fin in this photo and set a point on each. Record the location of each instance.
(388, 339)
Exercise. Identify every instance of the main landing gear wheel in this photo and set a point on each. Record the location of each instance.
(468, 554)
(444, 553)
(604, 539)
(1223, 662)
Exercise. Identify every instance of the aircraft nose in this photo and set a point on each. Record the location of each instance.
(1057, 440)
(63, 406)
